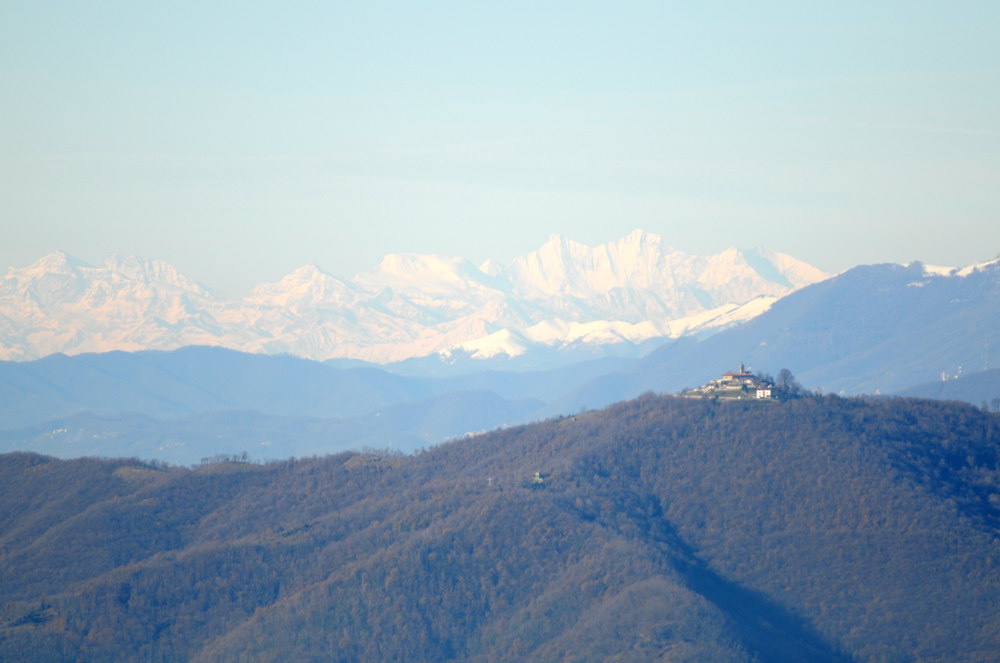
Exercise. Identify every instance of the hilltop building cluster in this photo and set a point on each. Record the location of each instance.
(735, 385)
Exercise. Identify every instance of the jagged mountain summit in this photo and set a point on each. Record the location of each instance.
(564, 295)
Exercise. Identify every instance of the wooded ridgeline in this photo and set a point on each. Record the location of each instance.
(820, 529)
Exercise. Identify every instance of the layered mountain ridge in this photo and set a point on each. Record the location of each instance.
(564, 294)
(872, 329)
(914, 329)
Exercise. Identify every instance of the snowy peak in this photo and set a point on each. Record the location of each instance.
(547, 269)
(59, 280)
(638, 248)
(644, 261)
(308, 287)
(58, 267)
(566, 267)
(427, 268)
(931, 270)
(54, 278)
(426, 274)
(61, 304)
(149, 272)
(117, 270)
(58, 262)
(308, 273)
(491, 267)
(782, 268)
(735, 275)
(563, 295)
(637, 260)
(978, 267)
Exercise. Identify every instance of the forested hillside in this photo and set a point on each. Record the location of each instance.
(819, 529)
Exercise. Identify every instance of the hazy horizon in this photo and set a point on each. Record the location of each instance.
(239, 142)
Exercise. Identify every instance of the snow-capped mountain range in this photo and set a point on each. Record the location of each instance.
(565, 294)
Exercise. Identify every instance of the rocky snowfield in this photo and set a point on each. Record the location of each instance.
(564, 295)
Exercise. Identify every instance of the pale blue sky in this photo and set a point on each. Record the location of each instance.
(239, 141)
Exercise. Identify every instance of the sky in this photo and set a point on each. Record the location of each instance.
(239, 141)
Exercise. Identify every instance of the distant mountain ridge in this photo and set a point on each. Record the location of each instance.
(873, 329)
(980, 388)
(563, 295)
(183, 405)
(876, 328)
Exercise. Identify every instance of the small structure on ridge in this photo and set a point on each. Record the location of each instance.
(735, 385)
